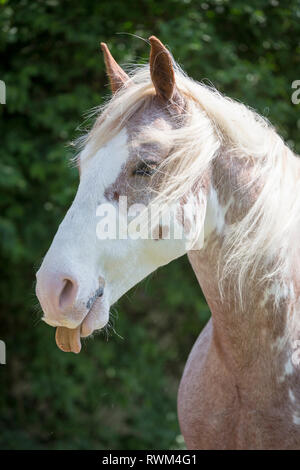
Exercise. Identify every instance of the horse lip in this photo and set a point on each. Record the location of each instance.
(57, 324)
(90, 324)
(94, 300)
(68, 339)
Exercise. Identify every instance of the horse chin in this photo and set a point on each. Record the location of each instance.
(96, 319)
(69, 340)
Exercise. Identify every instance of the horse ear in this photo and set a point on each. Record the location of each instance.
(161, 69)
(163, 76)
(116, 74)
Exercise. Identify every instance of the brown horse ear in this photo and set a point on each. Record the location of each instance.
(163, 76)
(116, 74)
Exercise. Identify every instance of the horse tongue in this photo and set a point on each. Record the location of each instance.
(68, 340)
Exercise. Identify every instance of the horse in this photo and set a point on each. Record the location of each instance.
(163, 140)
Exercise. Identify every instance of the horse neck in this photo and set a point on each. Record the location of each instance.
(261, 336)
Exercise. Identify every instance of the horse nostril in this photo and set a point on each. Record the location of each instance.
(68, 294)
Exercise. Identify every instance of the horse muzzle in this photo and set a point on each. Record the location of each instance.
(58, 294)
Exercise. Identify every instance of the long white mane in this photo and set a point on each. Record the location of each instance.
(260, 245)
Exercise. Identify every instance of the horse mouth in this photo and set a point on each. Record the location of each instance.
(69, 340)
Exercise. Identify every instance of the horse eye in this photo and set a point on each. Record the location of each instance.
(146, 169)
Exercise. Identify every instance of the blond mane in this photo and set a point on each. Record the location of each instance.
(261, 241)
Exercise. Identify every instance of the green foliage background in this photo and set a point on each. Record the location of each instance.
(120, 393)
